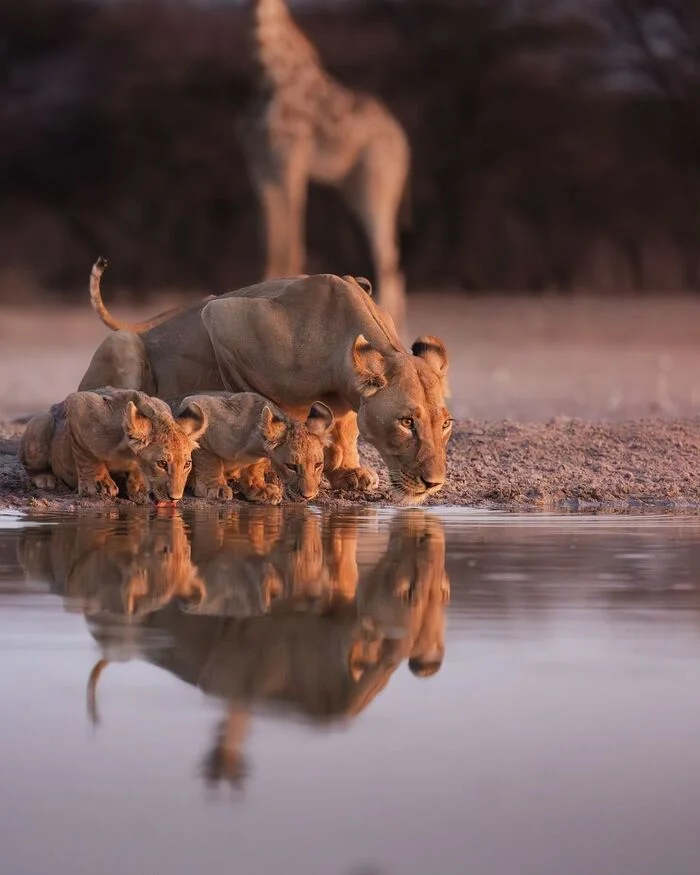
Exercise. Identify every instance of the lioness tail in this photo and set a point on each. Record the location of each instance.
(98, 269)
(97, 670)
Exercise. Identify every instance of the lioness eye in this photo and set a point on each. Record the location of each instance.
(290, 467)
(318, 466)
(188, 465)
(162, 463)
(447, 423)
(407, 422)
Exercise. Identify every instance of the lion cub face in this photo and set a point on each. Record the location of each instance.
(295, 448)
(163, 445)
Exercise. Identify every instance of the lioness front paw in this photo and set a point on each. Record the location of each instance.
(101, 486)
(353, 479)
(44, 481)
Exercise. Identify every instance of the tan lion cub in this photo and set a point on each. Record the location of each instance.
(248, 435)
(90, 436)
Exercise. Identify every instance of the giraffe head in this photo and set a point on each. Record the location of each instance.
(402, 413)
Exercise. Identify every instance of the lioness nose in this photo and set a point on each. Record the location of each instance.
(432, 484)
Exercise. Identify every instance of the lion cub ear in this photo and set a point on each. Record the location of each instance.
(272, 426)
(433, 352)
(138, 428)
(192, 419)
(320, 419)
(369, 366)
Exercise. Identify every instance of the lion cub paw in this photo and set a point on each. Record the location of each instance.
(219, 493)
(101, 486)
(268, 493)
(353, 479)
(44, 481)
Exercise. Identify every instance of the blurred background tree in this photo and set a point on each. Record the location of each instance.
(556, 145)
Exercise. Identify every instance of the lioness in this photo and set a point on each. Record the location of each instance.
(247, 435)
(296, 341)
(92, 435)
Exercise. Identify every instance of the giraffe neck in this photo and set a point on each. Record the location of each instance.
(281, 49)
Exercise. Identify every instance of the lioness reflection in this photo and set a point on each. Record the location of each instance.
(274, 610)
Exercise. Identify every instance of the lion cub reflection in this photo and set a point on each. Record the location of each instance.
(121, 567)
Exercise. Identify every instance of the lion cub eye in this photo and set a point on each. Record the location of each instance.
(188, 465)
(290, 467)
(407, 422)
(447, 423)
(318, 466)
(162, 463)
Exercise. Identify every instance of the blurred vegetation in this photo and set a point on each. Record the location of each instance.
(552, 151)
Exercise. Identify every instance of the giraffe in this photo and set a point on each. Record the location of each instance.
(304, 126)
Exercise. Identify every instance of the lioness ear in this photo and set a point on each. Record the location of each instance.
(272, 426)
(365, 284)
(320, 419)
(361, 281)
(138, 428)
(432, 351)
(192, 419)
(369, 366)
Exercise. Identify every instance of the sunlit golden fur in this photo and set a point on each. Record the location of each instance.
(91, 436)
(296, 341)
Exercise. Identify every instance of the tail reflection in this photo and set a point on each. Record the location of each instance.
(273, 609)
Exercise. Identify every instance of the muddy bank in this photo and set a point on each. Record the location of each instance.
(562, 463)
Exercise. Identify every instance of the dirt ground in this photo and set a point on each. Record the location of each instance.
(573, 403)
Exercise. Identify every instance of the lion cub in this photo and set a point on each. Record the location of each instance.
(90, 436)
(247, 436)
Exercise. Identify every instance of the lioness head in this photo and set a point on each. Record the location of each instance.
(163, 444)
(402, 413)
(296, 448)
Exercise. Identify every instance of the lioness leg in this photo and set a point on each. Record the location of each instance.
(342, 461)
(35, 450)
(208, 478)
(120, 361)
(254, 486)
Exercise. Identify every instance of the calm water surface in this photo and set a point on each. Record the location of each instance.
(287, 691)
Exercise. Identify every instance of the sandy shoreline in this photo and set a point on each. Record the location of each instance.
(572, 403)
(560, 464)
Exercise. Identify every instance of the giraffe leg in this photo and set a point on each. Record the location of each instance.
(275, 220)
(282, 191)
(374, 190)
